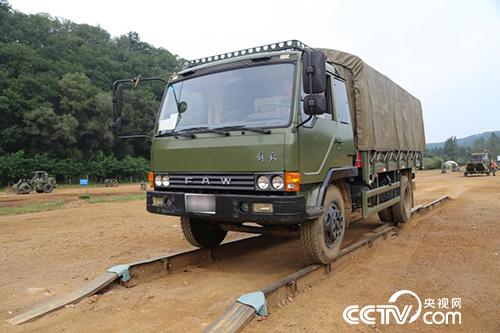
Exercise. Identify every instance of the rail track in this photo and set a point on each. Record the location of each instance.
(243, 310)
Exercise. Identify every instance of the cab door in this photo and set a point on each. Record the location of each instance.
(326, 141)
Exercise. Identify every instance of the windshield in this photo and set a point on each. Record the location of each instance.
(258, 96)
(478, 157)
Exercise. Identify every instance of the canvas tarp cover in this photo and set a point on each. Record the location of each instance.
(386, 116)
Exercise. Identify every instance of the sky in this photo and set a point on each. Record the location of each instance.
(446, 53)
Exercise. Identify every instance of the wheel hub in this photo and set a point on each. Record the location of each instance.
(333, 225)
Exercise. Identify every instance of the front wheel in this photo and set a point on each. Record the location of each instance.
(200, 233)
(48, 188)
(24, 188)
(322, 237)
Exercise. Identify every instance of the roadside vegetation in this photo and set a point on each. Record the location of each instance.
(112, 198)
(58, 204)
(32, 208)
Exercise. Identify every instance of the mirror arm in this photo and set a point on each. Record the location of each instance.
(296, 128)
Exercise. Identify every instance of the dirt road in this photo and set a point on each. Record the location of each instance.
(450, 252)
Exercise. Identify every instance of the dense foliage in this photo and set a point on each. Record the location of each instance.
(451, 150)
(19, 165)
(56, 78)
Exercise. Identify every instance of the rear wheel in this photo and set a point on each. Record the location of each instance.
(402, 210)
(322, 237)
(202, 233)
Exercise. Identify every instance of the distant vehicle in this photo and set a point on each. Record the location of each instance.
(450, 165)
(478, 163)
(111, 182)
(39, 182)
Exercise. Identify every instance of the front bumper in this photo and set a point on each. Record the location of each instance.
(286, 209)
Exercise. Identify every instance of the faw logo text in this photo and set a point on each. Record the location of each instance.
(206, 180)
(442, 313)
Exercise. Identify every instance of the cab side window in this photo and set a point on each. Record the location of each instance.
(340, 103)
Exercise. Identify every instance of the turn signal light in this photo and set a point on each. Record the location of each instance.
(151, 179)
(292, 181)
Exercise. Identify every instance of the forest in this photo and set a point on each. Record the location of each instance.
(56, 80)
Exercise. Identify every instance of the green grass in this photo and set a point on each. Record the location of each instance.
(51, 205)
(112, 198)
(31, 208)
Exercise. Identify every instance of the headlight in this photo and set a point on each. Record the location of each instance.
(157, 180)
(278, 183)
(263, 182)
(165, 180)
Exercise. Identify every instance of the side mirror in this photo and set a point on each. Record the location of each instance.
(182, 107)
(314, 72)
(117, 106)
(314, 104)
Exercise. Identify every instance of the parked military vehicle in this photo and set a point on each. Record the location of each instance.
(282, 137)
(39, 182)
(450, 165)
(111, 182)
(478, 163)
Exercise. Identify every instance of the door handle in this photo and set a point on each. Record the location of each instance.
(337, 140)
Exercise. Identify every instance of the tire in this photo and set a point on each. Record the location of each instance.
(386, 215)
(200, 233)
(47, 188)
(39, 191)
(465, 174)
(402, 210)
(322, 237)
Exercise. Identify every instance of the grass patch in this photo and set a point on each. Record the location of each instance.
(31, 208)
(112, 198)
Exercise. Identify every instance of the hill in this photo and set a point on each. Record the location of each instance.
(468, 141)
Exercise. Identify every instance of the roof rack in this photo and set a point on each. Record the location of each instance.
(280, 46)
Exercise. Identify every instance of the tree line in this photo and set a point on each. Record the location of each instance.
(451, 150)
(56, 78)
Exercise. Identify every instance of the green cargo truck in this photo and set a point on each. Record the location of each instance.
(280, 138)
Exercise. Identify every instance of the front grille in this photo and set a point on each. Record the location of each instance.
(219, 181)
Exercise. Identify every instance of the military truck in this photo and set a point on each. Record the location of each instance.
(478, 163)
(282, 137)
(39, 182)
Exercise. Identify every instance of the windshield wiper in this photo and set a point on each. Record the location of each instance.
(175, 133)
(205, 129)
(244, 128)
